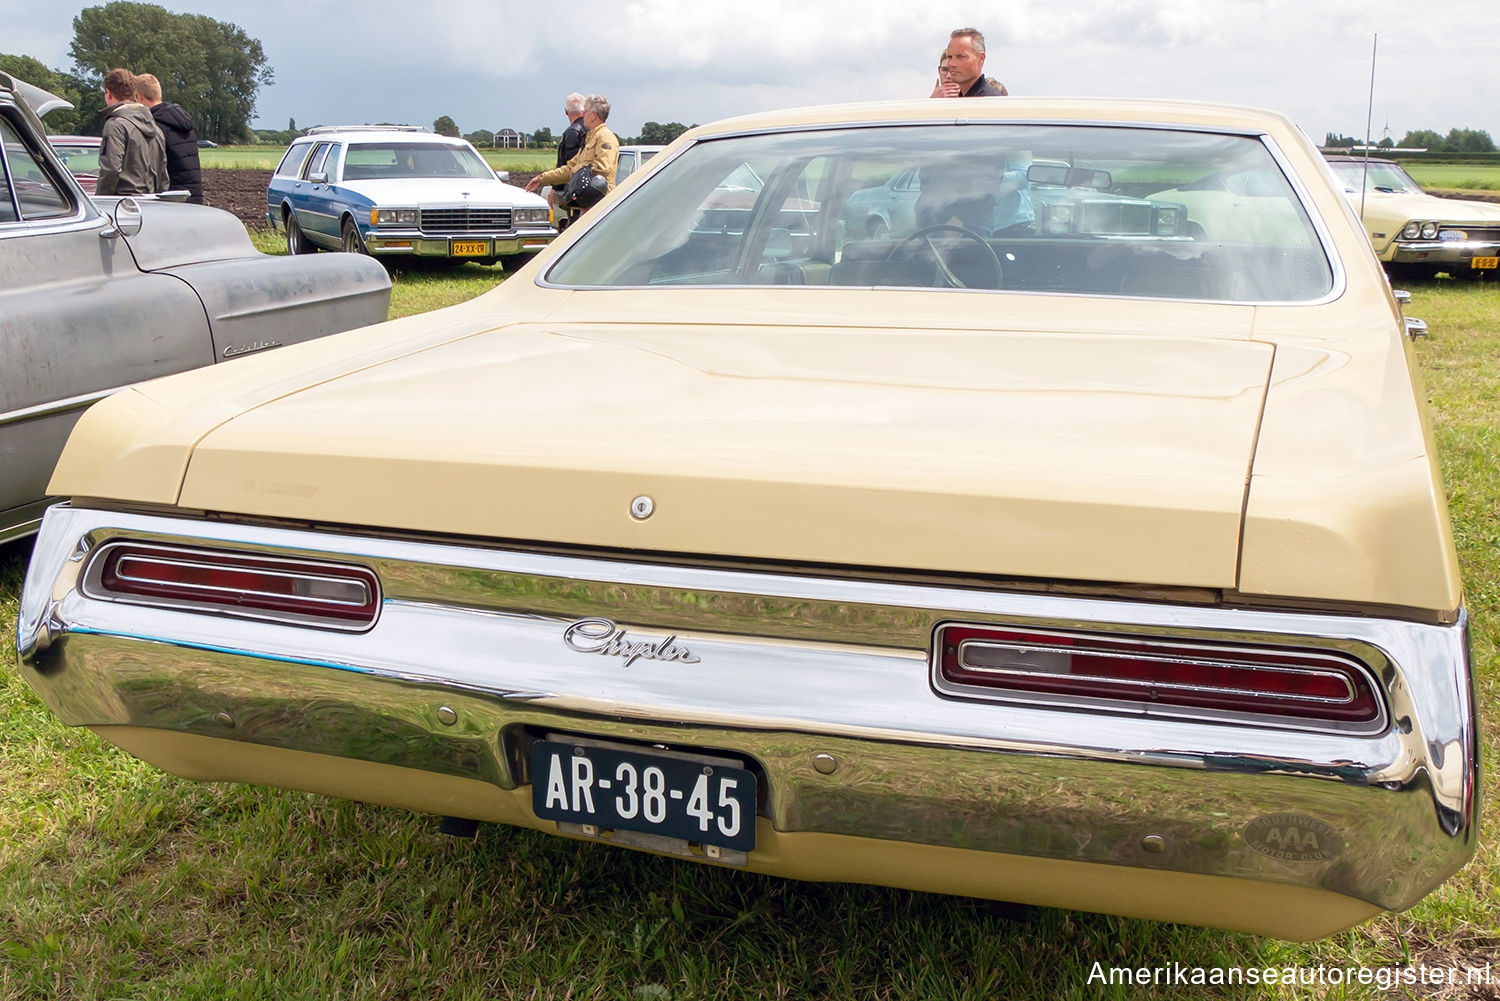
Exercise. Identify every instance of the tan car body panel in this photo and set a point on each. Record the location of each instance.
(1142, 422)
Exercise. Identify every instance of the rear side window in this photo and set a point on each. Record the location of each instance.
(291, 164)
(319, 159)
(30, 192)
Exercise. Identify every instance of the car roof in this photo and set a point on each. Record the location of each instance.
(381, 134)
(75, 140)
(1074, 110)
(1345, 158)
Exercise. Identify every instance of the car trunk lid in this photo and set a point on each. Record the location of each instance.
(1083, 456)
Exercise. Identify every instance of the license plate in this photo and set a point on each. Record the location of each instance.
(1486, 263)
(690, 798)
(471, 248)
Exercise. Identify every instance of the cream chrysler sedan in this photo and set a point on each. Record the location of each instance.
(1099, 566)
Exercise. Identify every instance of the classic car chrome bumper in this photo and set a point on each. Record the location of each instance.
(821, 685)
(1442, 251)
(381, 243)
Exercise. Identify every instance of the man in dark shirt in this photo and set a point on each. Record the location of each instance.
(572, 138)
(182, 138)
(961, 73)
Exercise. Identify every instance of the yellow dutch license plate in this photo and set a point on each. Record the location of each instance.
(1485, 263)
(470, 248)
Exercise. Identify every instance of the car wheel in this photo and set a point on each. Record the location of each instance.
(878, 229)
(1412, 272)
(515, 262)
(297, 241)
(349, 241)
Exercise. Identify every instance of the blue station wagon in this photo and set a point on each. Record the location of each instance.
(394, 191)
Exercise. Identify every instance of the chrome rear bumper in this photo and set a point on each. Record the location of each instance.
(467, 665)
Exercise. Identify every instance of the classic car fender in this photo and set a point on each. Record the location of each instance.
(271, 301)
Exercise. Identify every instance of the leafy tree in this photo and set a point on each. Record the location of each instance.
(1333, 140)
(1469, 141)
(1422, 139)
(36, 73)
(212, 68)
(445, 126)
(1386, 142)
(657, 134)
(481, 138)
(291, 125)
(543, 137)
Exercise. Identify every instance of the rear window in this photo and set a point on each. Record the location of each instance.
(291, 163)
(1077, 209)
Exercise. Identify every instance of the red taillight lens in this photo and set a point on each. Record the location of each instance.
(304, 591)
(1302, 684)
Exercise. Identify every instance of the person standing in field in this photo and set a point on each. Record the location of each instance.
(183, 171)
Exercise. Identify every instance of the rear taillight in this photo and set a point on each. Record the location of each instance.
(306, 592)
(1135, 672)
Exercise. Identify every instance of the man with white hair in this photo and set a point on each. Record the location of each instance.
(600, 153)
(572, 138)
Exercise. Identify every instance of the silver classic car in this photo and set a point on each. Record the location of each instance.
(1052, 564)
(99, 295)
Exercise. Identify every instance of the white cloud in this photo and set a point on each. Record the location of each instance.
(488, 62)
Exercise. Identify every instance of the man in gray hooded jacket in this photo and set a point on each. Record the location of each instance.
(133, 157)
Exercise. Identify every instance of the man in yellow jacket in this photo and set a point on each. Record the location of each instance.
(601, 150)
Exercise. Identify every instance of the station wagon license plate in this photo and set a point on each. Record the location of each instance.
(471, 248)
(690, 798)
(1486, 263)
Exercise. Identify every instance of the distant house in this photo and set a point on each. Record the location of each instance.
(509, 139)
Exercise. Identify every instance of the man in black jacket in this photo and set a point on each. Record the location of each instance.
(571, 141)
(182, 139)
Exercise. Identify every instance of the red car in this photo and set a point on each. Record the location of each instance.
(80, 154)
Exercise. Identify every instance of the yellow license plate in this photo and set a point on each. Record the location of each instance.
(1486, 263)
(470, 248)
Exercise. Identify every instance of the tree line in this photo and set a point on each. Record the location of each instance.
(1456, 141)
(212, 68)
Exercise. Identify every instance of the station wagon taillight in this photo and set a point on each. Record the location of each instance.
(305, 592)
(1133, 672)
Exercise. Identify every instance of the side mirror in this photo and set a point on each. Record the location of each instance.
(503, 175)
(318, 177)
(125, 219)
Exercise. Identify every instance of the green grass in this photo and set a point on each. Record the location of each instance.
(242, 157)
(1465, 176)
(120, 881)
(417, 287)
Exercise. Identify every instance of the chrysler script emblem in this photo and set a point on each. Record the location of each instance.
(603, 637)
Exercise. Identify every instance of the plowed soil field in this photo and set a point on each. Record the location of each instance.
(243, 192)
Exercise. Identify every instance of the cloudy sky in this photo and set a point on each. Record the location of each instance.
(497, 63)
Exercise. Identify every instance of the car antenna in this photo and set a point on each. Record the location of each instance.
(1364, 180)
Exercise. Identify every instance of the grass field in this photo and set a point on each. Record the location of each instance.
(120, 881)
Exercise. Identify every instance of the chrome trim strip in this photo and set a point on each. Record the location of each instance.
(789, 667)
(58, 406)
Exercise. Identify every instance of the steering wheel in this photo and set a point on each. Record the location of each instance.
(949, 278)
